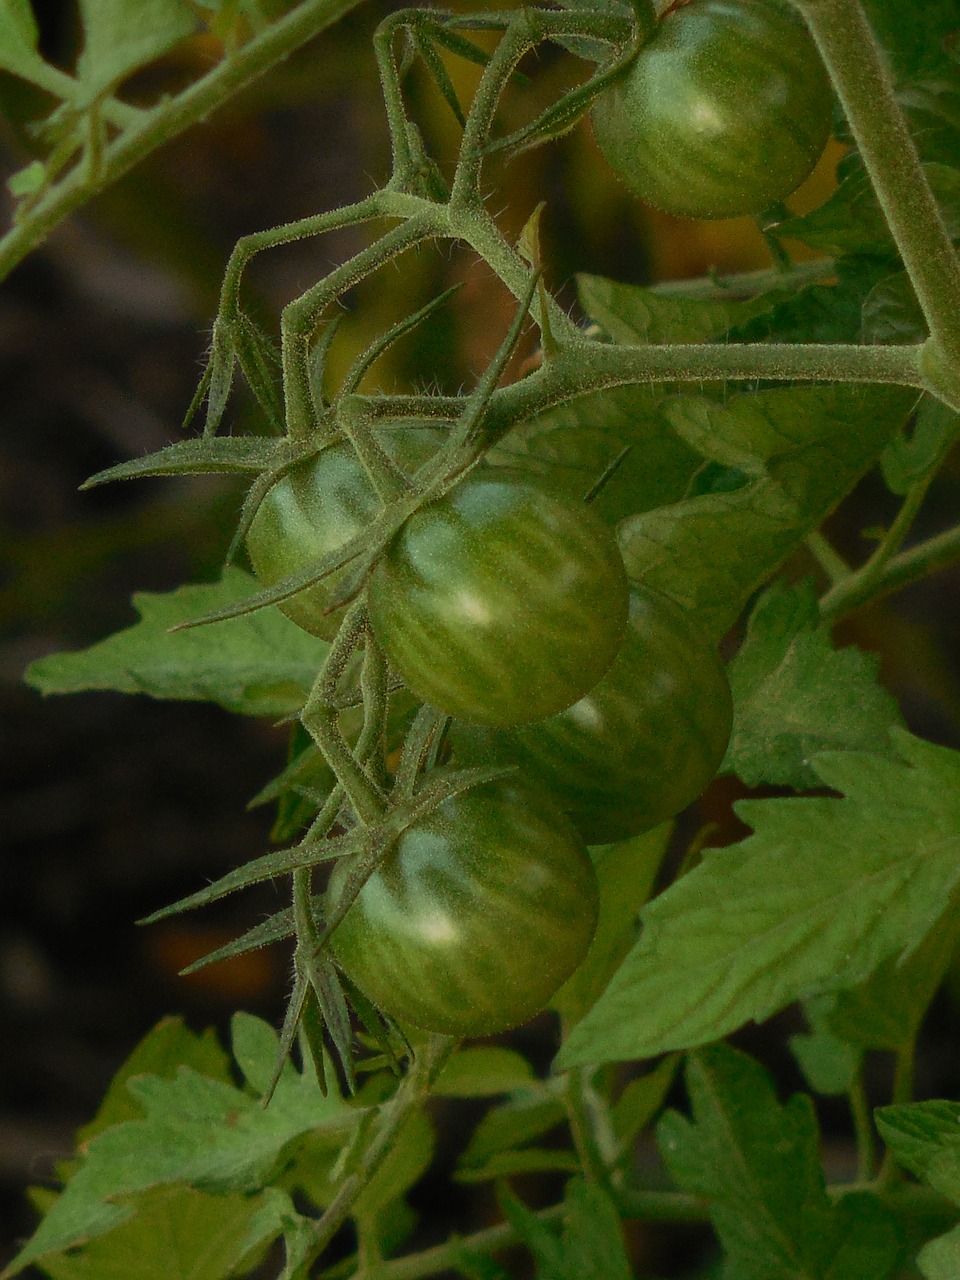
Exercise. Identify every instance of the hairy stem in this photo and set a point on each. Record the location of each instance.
(169, 118)
(909, 566)
(865, 88)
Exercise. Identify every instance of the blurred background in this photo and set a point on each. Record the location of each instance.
(113, 806)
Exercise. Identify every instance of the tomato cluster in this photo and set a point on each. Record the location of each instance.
(724, 111)
(506, 607)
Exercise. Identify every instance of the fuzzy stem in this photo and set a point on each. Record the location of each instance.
(865, 87)
(909, 566)
(169, 118)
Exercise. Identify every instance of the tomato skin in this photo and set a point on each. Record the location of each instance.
(317, 507)
(500, 603)
(478, 914)
(641, 745)
(725, 111)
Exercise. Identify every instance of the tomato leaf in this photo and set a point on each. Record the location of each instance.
(908, 458)
(590, 1246)
(758, 1167)
(570, 448)
(851, 221)
(939, 1259)
(483, 1073)
(828, 1062)
(261, 664)
(193, 1130)
(529, 1114)
(795, 695)
(625, 873)
(19, 36)
(178, 1233)
(925, 1138)
(633, 313)
(805, 446)
(119, 37)
(820, 894)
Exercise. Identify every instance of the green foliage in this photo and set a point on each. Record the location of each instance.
(758, 1168)
(796, 696)
(815, 899)
(257, 665)
(714, 425)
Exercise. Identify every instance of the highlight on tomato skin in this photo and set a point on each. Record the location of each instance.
(725, 111)
(476, 916)
(319, 506)
(500, 603)
(641, 745)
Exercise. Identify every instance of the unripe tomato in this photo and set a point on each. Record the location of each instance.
(724, 111)
(317, 508)
(641, 745)
(500, 603)
(476, 916)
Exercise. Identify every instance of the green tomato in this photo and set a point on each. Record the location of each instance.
(500, 602)
(641, 745)
(724, 111)
(317, 508)
(476, 916)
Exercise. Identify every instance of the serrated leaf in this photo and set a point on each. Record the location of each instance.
(710, 553)
(571, 447)
(483, 1073)
(177, 1233)
(194, 1130)
(830, 1064)
(820, 894)
(891, 312)
(625, 874)
(886, 1011)
(261, 664)
(758, 1168)
(122, 35)
(590, 1246)
(796, 695)
(168, 1046)
(925, 1138)
(851, 220)
(633, 313)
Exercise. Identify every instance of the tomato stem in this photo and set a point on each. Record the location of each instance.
(865, 87)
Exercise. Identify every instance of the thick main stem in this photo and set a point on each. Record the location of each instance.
(866, 91)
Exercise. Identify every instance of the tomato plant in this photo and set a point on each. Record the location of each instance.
(476, 916)
(500, 603)
(724, 111)
(641, 745)
(316, 508)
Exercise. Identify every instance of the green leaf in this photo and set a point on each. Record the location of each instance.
(795, 695)
(805, 446)
(891, 312)
(18, 42)
(939, 1259)
(526, 1116)
(508, 1164)
(168, 1046)
(260, 664)
(640, 1102)
(122, 35)
(830, 1064)
(886, 1011)
(195, 1130)
(591, 1244)
(814, 900)
(632, 313)
(758, 1167)
(625, 874)
(242, 454)
(483, 1073)
(925, 1138)
(918, 47)
(908, 459)
(571, 447)
(932, 110)
(177, 1233)
(851, 221)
